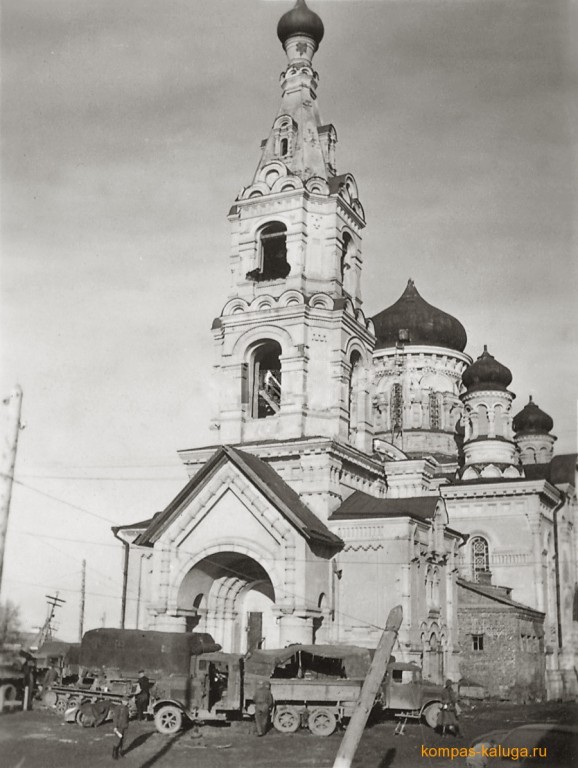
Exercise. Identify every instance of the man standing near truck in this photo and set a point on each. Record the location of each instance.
(143, 696)
(120, 719)
(263, 700)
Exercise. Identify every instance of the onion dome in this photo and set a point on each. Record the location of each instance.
(300, 20)
(532, 420)
(486, 373)
(411, 320)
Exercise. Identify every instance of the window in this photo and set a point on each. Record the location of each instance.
(396, 409)
(272, 246)
(435, 420)
(354, 386)
(284, 147)
(480, 557)
(348, 251)
(477, 642)
(266, 390)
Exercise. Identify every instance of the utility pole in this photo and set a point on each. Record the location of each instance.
(12, 406)
(82, 599)
(369, 691)
(45, 633)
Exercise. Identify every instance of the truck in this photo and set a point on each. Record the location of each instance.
(109, 662)
(313, 686)
(12, 679)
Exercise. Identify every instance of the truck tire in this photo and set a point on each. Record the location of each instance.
(431, 713)
(62, 705)
(322, 721)
(7, 695)
(286, 720)
(168, 719)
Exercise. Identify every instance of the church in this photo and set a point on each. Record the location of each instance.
(359, 462)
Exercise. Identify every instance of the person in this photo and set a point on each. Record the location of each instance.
(263, 700)
(143, 696)
(50, 678)
(120, 720)
(448, 719)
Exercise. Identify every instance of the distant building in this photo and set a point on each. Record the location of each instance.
(358, 463)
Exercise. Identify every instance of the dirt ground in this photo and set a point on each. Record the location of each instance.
(40, 739)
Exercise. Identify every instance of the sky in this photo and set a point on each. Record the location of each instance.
(128, 129)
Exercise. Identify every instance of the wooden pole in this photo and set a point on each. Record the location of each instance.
(11, 427)
(369, 691)
(82, 600)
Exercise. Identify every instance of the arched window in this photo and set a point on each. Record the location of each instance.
(483, 422)
(284, 147)
(354, 387)
(347, 254)
(272, 253)
(435, 417)
(266, 380)
(396, 409)
(480, 557)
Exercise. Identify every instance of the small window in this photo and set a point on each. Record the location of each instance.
(403, 334)
(397, 675)
(284, 147)
(477, 642)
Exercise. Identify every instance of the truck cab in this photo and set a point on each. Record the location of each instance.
(405, 691)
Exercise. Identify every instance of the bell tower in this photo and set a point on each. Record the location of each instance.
(293, 347)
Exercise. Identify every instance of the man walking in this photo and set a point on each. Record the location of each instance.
(263, 700)
(120, 719)
(143, 696)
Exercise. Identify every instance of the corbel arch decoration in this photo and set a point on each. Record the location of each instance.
(317, 185)
(289, 298)
(234, 306)
(321, 301)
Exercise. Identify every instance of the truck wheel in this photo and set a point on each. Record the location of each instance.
(168, 719)
(322, 722)
(286, 720)
(61, 705)
(431, 713)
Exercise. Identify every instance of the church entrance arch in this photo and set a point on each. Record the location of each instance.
(231, 596)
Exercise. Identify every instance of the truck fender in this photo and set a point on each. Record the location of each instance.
(166, 702)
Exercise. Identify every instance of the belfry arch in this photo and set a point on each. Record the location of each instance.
(231, 596)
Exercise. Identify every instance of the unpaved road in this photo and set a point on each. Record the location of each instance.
(40, 739)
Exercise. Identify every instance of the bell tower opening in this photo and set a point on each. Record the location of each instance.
(266, 380)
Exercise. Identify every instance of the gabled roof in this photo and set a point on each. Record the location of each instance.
(361, 505)
(498, 594)
(265, 479)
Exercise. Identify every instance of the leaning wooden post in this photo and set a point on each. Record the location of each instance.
(366, 700)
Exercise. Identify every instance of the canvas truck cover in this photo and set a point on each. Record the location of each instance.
(355, 660)
(129, 650)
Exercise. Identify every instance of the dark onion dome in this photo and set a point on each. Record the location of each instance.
(300, 20)
(411, 320)
(532, 420)
(486, 373)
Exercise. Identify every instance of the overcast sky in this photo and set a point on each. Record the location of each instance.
(128, 129)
